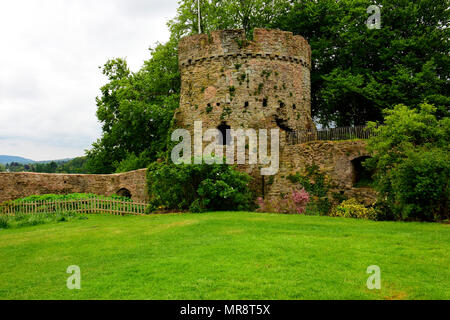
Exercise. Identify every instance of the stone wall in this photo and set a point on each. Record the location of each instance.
(258, 84)
(228, 80)
(334, 158)
(18, 185)
(264, 83)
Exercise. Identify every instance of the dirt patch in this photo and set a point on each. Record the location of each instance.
(397, 296)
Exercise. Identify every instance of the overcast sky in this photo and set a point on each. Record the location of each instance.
(49, 57)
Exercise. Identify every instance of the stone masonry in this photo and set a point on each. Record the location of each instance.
(259, 84)
(231, 82)
(334, 158)
(18, 185)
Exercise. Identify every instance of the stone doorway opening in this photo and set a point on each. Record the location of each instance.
(225, 138)
(361, 175)
(124, 192)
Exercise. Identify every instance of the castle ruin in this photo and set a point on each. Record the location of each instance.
(231, 82)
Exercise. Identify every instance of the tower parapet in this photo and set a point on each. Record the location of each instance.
(229, 81)
(266, 44)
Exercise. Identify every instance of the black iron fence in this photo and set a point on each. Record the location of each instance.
(343, 133)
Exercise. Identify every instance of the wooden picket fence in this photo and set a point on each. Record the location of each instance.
(342, 133)
(84, 206)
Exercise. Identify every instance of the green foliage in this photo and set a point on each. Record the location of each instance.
(313, 181)
(232, 91)
(260, 88)
(292, 203)
(410, 155)
(226, 112)
(196, 207)
(78, 202)
(71, 196)
(2, 168)
(266, 74)
(136, 110)
(358, 72)
(316, 184)
(353, 209)
(3, 221)
(76, 165)
(26, 220)
(133, 162)
(226, 14)
(198, 187)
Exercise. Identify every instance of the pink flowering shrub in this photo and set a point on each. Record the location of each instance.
(294, 202)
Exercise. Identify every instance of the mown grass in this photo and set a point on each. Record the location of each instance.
(225, 256)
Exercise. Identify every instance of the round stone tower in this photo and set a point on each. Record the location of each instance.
(229, 81)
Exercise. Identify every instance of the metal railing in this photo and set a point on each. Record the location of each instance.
(334, 134)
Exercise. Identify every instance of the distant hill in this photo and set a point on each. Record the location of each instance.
(21, 160)
(57, 161)
(9, 159)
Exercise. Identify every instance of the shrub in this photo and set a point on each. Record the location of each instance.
(198, 187)
(196, 207)
(71, 196)
(410, 158)
(292, 203)
(353, 209)
(317, 186)
(133, 162)
(3, 222)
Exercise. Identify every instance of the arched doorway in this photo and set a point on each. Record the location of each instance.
(124, 192)
(361, 176)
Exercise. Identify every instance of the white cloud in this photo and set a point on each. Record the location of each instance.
(50, 51)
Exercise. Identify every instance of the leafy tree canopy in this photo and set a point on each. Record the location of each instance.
(135, 110)
(356, 72)
(410, 157)
(226, 14)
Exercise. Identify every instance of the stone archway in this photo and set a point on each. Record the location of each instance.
(124, 192)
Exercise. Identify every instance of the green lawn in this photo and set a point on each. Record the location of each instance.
(225, 256)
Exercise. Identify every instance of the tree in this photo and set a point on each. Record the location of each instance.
(198, 187)
(136, 110)
(410, 158)
(226, 14)
(2, 168)
(76, 165)
(357, 72)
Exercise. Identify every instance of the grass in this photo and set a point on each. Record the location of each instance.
(25, 220)
(225, 256)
